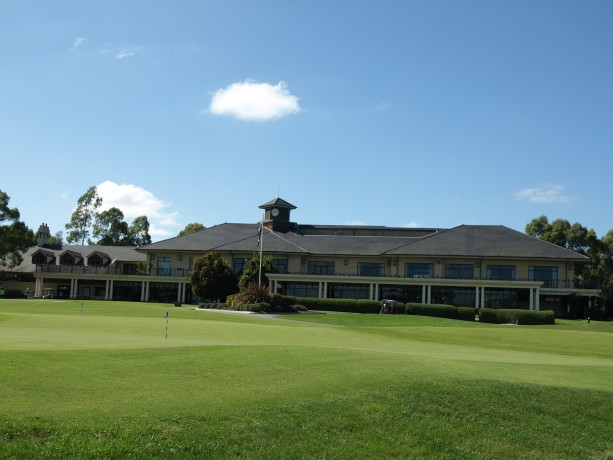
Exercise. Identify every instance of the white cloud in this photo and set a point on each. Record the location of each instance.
(127, 52)
(412, 224)
(546, 194)
(135, 201)
(249, 100)
(355, 222)
(79, 41)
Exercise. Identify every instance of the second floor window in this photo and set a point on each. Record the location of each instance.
(163, 268)
(547, 274)
(371, 269)
(280, 265)
(417, 270)
(500, 272)
(320, 268)
(460, 271)
(238, 263)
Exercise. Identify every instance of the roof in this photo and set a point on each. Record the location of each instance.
(471, 241)
(115, 253)
(279, 203)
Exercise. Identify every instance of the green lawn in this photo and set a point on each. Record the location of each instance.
(101, 380)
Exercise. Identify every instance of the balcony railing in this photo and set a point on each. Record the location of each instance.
(183, 273)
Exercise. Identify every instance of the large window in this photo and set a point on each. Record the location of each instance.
(459, 297)
(459, 271)
(300, 289)
(238, 263)
(163, 266)
(417, 270)
(280, 265)
(371, 269)
(348, 291)
(320, 268)
(500, 272)
(547, 274)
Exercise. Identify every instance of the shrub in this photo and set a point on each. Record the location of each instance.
(283, 301)
(259, 307)
(440, 311)
(13, 294)
(367, 306)
(212, 306)
(254, 293)
(466, 313)
(341, 305)
(510, 316)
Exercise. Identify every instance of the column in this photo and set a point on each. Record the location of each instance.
(531, 297)
(477, 303)
(73, 289)
(38, 289)
(423, 293)
(376, 286)
(111, 290)
(482, 297)
(142, 291)
(429, 294)
(185, 289)
(146, 291)
(106, 290)
(537, 299)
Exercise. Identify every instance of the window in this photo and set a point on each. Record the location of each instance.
(371, 269)
(547, 274)
(320, 268)
(280, 265)
(417, 270)
(238, 263)
(300, 289)
(459, 297)
(191, 263)
(500, 272)
(95, 260)
(348, 291)
(163, 266)
(459, 271)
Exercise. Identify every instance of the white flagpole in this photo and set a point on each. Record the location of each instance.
(261, 246)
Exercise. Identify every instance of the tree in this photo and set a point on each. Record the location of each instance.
(191, 228)
(83, 216)
(139, 231)
(58, 239)
(110, 229)
(251, 271)
(15, 236)
(212, 278)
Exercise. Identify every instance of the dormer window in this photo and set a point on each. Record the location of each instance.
(39, 259)
(95, 260)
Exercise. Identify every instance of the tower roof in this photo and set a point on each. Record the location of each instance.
(277, 202)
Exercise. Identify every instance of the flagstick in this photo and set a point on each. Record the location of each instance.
(81, 309)
(166, 325)
(261, 246)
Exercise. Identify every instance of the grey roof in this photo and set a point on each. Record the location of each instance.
(474, 241)
(115, 253)
(279, 203)
(486, 241)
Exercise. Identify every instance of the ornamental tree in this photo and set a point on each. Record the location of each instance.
(15, 236)
(212, 278)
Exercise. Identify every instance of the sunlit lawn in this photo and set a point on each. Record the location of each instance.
(119, 380)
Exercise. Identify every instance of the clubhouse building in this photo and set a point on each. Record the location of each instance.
(470, 265)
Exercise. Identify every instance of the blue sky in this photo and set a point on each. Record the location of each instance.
(396, 113)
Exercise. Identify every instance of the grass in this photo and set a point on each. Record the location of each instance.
(108, 384)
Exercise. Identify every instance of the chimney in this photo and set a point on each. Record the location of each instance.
(43, 235)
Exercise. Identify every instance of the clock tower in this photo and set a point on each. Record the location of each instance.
(276, 214)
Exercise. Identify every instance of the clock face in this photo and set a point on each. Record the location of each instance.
(274, 212)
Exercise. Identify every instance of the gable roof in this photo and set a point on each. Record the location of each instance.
(471, 241)
(486, 241)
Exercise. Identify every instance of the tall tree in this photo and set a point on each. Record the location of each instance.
(212, 278)
(110, 228)
(251, 271)
(83, 216)
(15, 236)
(139, 231)
(191, 228)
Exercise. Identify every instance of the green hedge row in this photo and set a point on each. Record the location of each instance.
(512, 316)
(486, 315)
(341, 305)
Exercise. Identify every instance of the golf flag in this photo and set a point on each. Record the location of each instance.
(259, 234)
(166, 314)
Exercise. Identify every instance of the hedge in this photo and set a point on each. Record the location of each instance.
(514, 316)
(466, 313)
(341, 305)
(438, 310)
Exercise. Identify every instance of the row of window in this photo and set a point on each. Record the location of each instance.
(547, 274)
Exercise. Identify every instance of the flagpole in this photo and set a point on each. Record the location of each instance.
(261, 246)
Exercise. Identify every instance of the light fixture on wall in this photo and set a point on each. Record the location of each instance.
(180, 257)
(345, 262)
(304, 260)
